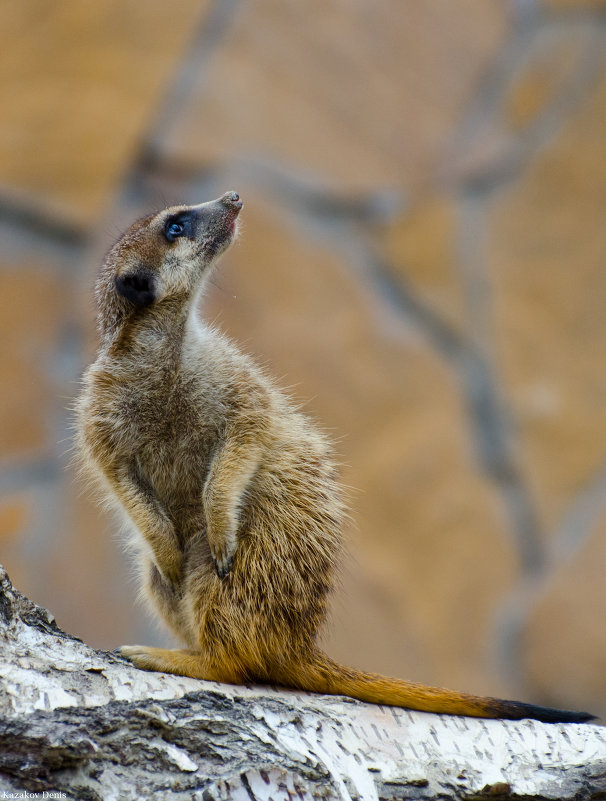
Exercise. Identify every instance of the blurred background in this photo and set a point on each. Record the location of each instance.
(423, 263)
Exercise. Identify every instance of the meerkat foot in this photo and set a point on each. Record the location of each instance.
(179, 662)
(162, 660)
(143, 657)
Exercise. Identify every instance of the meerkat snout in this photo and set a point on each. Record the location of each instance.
(212, 224)
(231, 198)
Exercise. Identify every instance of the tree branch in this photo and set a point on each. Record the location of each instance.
(91, 726)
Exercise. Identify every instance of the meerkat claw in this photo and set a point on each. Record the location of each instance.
(223, 567)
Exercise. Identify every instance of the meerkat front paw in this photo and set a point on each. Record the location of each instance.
(223, 552)
(223, 566)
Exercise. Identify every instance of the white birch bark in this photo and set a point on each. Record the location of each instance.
(85, 724)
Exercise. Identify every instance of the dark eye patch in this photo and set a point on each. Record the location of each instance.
(182, 224)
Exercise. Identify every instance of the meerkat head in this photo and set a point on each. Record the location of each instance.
(165, 256)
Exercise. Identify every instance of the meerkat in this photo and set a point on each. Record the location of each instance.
(231, 493)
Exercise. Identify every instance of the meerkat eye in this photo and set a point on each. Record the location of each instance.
(173, 230)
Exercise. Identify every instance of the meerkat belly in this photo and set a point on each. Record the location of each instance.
(175, 469)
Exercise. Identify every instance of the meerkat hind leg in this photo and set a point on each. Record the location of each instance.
(180, 662)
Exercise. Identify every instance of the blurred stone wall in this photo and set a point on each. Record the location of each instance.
(423, 263)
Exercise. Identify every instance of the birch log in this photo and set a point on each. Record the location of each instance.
(77, 723)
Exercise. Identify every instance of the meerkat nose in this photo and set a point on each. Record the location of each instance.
(231, 199)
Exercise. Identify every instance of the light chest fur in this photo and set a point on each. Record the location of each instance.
(165, 410)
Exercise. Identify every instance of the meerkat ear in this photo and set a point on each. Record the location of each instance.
(138, 287)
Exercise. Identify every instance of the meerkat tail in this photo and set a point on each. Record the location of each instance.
(324, 675)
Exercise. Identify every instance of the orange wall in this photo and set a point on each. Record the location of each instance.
(423, 262)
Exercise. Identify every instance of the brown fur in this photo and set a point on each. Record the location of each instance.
(231, 493)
